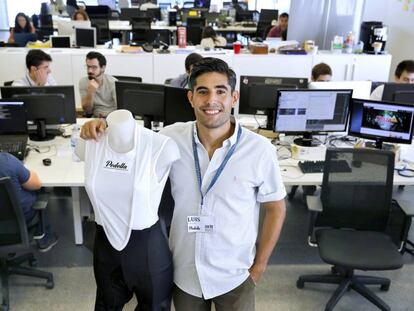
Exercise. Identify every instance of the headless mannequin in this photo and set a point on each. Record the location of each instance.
(121, 127)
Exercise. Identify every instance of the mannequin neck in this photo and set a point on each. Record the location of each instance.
(121, 132)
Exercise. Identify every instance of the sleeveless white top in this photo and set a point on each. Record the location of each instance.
(123, 187)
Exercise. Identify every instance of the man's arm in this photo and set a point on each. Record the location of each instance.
(272, 226)
(33, 183)
(87, 99)
(93, 129)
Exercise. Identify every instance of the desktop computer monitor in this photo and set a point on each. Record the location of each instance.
(381, 121)
(398, 92)
(308, 112)
(129, 13)
(67, 28)
(202, 4)
(258, 94)
(268, 15)
(44, 105)
(142, 99)
(154, 13)
(85, 37)
(360, 89)
(177, 107)
(12, 117)
(97, 10)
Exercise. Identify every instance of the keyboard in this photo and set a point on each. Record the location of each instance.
(309, 167)
(15, 148)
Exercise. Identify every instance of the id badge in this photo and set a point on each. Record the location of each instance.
(203, 224)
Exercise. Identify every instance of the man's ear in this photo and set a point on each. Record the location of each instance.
(190, 97)
(236, 96)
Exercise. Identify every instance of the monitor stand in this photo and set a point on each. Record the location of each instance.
(270, 120)
(378, 144)
(307, 141)
(41, 134)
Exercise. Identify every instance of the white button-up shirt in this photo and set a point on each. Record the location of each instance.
(211, 264)
(27, 81)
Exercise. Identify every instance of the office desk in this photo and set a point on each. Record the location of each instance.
(65, 172)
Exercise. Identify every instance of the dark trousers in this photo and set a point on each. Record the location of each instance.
(144, 268)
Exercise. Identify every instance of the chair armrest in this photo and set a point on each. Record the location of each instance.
(407, 207)
(314, 203)
(40, 205)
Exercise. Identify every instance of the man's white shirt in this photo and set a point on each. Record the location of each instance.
(212, 263)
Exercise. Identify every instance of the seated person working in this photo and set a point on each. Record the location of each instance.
(148, 5)
(210, 39)
(321, 73)
(404, 73)
(80, 15)
(280, 30)
(25, 183)
(182, 80)
(39, 72)
(97, 90)
(21, 25)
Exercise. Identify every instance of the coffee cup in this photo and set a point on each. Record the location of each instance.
(236, 47)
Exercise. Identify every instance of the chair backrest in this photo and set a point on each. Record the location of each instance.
(13, 231)
(359, 199)
(8, 83)
(128, 79)
(140, 23)
(102, 29)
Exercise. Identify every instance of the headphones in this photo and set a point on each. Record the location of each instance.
(404, 171)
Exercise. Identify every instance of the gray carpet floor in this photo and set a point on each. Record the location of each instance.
(75, 286)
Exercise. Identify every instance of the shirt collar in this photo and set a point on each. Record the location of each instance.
(229, 141)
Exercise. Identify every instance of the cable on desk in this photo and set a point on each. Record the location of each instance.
(343, 138)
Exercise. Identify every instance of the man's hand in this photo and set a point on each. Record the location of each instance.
(256, 271)
(41, 76)
(93, 85)
(93, 129)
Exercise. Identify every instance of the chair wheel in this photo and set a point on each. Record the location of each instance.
(33, 262)
(385, 288)
(300, 284)
(50, 284)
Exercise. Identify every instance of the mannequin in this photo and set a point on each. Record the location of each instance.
(121, 127)
(125, 195)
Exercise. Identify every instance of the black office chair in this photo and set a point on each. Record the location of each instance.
(128, 79)
(140, 26)
(350, 220)
(8, 83)
(155, 36)
(103, 34)
(14, 240)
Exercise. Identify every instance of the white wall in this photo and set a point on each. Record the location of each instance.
(400, 42)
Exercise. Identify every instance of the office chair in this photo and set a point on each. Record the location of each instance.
(140, 26)
(128, 79)
(349, 223)
(14, 240)
(103, 34)
(8, 83)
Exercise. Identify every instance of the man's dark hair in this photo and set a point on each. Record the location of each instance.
(321, 70)
(211, 64)
(191, 59)
(405, 65)
(36, 58)
(284, 15)
(101, 59)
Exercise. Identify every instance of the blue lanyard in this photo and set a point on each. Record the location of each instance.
(219, 170)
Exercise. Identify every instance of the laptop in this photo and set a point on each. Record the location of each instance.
(13, 128)
(60, 41)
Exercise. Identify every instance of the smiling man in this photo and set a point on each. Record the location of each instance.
(97, 90)
(225, 172)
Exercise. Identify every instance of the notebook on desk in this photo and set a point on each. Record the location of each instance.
(13, 128)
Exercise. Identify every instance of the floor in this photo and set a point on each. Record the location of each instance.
(75, 285)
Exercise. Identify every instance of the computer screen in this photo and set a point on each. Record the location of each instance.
(310, 112)
(142, 99)
(258, 94)
(398, 92)
(45, 105)
(12, 117)
(68, 27)
(94, 10)
(381, 121)
(154, 13)
(268, 15)
(177, 107)
(202, 4)
(85, 37)
(360, 89)
(60, 41)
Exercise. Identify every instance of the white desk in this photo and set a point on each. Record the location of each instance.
(64, 172)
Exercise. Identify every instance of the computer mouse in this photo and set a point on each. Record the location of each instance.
(47, 162)
(147, 47)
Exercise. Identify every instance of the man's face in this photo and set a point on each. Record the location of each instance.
(324, 78)
(406, 77)
(93, 69)
(283, 23)
(41, 72)
(212, 99)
